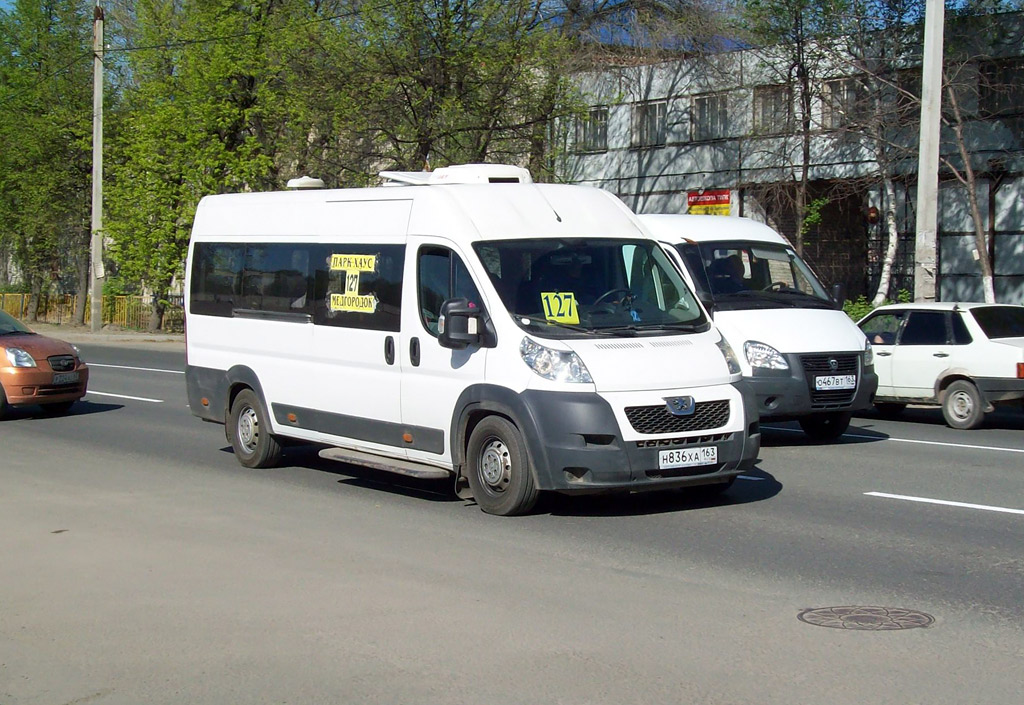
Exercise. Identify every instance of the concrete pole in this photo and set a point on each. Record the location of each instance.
(96, 280)
(925, 248)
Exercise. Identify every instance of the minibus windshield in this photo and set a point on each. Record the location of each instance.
(746, 275)
(565, 288)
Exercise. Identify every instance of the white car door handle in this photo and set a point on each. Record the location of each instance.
(940, 354)
(883, 354)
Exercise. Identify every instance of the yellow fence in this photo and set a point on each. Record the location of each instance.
(130, 312)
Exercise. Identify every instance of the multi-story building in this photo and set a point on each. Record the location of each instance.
(730, 133)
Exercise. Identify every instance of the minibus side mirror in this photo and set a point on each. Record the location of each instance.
(838, 294)
(462, 324)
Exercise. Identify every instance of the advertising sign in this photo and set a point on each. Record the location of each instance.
(708, 202)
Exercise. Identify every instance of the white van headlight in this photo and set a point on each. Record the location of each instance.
(764, 355)
(20, 358)
(731, 360)
(869, 353)
(555, 365)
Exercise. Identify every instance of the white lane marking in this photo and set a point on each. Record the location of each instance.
(748, 477)
(125, 396)
(946, 503)
(909, 440)
(144, 369)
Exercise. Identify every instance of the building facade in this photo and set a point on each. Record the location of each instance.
(737, 133)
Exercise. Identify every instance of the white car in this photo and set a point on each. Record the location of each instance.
(964, 357)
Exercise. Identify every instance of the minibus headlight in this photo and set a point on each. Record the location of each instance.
(869, 354)
(20, 358)
(730, 357)
(556, 365)
(764, 355)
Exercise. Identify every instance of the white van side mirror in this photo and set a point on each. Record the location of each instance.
(462, 324)
(838, 295)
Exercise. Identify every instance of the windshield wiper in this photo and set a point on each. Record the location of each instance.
(19, 332)
(537, 320)
(678, 326)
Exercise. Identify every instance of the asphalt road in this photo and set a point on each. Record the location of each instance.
(139, 563)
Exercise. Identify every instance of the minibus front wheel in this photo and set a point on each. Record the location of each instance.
(249, 432)
(499, 471)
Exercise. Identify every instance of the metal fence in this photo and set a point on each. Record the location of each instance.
(130, 312)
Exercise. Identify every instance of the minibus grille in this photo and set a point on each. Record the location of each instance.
(815, 365)
(658, 419)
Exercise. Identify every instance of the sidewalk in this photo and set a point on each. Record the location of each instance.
(109, 335)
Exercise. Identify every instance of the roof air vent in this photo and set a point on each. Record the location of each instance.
(305, 182)
(462, 174)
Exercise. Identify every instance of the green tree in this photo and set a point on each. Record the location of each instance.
(45, 133)
(201, 117)
(793, 37)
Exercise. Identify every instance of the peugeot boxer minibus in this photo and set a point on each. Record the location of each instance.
(462, 323)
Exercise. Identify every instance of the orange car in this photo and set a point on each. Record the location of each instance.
(35, 369)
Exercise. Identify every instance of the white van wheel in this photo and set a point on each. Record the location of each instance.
(498, 468)
(249, 433)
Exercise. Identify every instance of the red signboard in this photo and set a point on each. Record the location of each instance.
(709, 201)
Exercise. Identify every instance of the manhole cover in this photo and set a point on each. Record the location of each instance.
(876, 619)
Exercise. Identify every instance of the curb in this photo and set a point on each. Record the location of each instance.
(81, 334)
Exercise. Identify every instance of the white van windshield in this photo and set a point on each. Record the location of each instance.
(744, 275)
(579, 287)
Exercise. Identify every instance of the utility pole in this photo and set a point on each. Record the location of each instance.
(926, 242)
(96, 280)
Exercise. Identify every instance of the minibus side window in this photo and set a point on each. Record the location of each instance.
(276, 278)
(358, 286)
(216, 278)
(441, 275)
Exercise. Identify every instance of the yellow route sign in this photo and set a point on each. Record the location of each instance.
(560, 306)
(354, 263)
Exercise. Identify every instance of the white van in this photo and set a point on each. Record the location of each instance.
(803, 356)
(466, 324)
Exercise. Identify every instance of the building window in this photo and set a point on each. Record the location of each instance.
(842, 103)
(908, 96)
(773, 110)
(649, 123)
(1002, 88)
(710, 117)
(592, 131)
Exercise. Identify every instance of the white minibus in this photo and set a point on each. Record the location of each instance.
(803, 356)
(462, 323)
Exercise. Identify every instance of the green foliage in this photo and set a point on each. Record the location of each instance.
(861, 306)
(45, 128)
(858, 308)
(812, 216)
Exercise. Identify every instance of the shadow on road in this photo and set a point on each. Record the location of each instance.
(781, 435)
(81, 408)
(306, 456)
(753, 486)
(1005, 417)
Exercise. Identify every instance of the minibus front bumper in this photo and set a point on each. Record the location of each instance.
(788, 394)
(577, 447)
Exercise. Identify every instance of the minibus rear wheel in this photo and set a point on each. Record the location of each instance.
(499, 468)
(249, 433)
